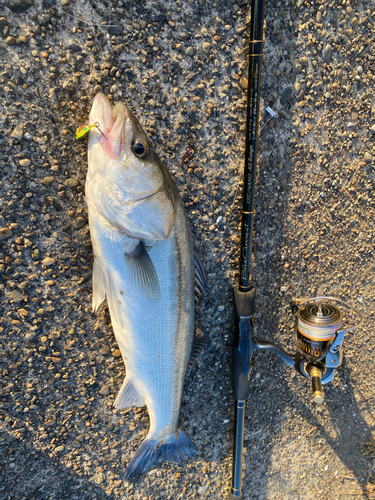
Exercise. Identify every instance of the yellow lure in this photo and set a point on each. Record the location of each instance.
(83, 129)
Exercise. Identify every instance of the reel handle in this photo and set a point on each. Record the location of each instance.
(316, 379)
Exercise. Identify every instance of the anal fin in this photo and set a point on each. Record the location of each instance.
(128, 396)
(98, 286)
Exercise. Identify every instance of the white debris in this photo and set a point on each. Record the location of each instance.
(270, 111)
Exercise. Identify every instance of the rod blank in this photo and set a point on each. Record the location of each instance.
(244, 294)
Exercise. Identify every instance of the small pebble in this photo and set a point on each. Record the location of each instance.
(48, 261)
(5, 233)
(244, 82)
(327, 53)
(35, 254)
(16, 296)
(104, 349)
(79, 222)
(25, 162)
(182, 68)
(114, 28)
(104, 391)
(286, 94)
(367, 157)
(206, 47)
(71, 183)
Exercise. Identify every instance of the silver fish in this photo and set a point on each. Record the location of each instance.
(144, 265)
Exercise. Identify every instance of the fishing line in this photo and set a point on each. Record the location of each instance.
(328, 321)
(77, 18)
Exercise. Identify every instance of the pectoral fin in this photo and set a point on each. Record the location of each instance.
(143, 273)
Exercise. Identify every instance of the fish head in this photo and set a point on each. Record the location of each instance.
(126, 178)
(118, 131)
(122, 148)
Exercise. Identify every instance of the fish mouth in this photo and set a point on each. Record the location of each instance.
(114, 127)
(101, 112)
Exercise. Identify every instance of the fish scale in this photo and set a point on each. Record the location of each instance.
(144, 265)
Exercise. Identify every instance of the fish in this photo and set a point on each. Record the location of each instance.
(144, 264)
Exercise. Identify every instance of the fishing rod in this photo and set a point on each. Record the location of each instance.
(319, 323)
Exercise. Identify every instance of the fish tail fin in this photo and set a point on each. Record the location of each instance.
(172, 449)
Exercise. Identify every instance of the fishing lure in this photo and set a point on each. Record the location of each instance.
(84, 129)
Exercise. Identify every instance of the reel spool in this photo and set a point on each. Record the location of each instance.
(317, 324)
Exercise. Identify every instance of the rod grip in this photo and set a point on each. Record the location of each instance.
(244, 305)
(239, 428)
(241, 371)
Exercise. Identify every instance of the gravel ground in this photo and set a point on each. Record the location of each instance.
(181, 66)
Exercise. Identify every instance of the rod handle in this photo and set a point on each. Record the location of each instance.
(239, 427)
(244, 304)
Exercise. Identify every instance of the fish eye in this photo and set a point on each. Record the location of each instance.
(141, 148)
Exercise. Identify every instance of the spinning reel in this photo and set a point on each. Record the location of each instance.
(319, 334)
